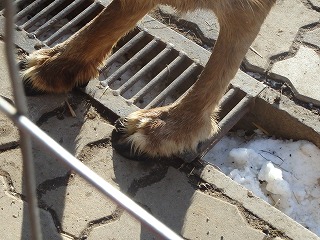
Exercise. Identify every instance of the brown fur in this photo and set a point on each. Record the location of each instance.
(167, 130)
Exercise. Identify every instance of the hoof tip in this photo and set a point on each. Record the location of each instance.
(122, 146)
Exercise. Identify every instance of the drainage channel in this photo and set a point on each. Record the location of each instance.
(145, 70)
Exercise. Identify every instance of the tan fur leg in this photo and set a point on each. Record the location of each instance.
(180, 127)
(75, 61)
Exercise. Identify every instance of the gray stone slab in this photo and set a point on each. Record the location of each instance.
(268, 113)
(313, 37)
(302, 73)
(81, 202)
(202, 21)
(78, 204)
(46, 167)
(315, 3)
(168, 200)
(65, 131)
(73, 133)
(93, 129)
(14, 223)
(211, 218)
(126, 228)
(190, 213)
(278, 32)
(9, 134)
(5, 86)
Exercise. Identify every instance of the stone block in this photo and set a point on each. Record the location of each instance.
(278, 32)
(301, 72)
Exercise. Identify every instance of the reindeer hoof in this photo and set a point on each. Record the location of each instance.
(28, 88)
(124, 147)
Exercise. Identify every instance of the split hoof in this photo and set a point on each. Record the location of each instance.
(123, 146)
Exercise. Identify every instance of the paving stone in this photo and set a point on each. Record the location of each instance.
(168, 200)
(46, 167)
(278, 32)
(94, 128)
(313, 37)
(315, 3)
(81, 202)
(301, 72)
(14, 223)
(182, 209)
(5, 86)
(40, 105)
(126, 228)
(186, 211)
(78, 204)
(211, 218)
(8, 133)
(203, 21)
(65, 131)
(71, 132)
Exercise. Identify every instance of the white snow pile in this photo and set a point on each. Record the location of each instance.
(286, 174)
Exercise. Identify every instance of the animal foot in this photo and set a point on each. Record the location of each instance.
(161, 132)
(51, 70)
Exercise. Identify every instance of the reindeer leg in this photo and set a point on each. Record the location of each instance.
(178, 128)
(76, 61)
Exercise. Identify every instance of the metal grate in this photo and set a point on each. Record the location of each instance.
(143, 72)
(54, 21)
(155, 74)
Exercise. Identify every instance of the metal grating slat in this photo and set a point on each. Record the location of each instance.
(172, 66)
(147, 68)
(228, 96)
(72, 23)
(151, 45)
(179, 80)
(227, 123)
(42, 13)
(57, 17)
(125, 48)
(24, 12)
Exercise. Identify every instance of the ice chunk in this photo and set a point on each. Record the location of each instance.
(269, 173)
(242, 157)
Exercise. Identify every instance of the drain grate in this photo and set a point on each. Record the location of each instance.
(54, 21)
(161, 79)
(145, 70)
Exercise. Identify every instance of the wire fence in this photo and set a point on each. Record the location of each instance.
(28, 131)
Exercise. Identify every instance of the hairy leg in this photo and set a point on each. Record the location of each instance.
(178, 128)
(76, 61)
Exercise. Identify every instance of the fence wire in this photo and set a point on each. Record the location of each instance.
(28, 130)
